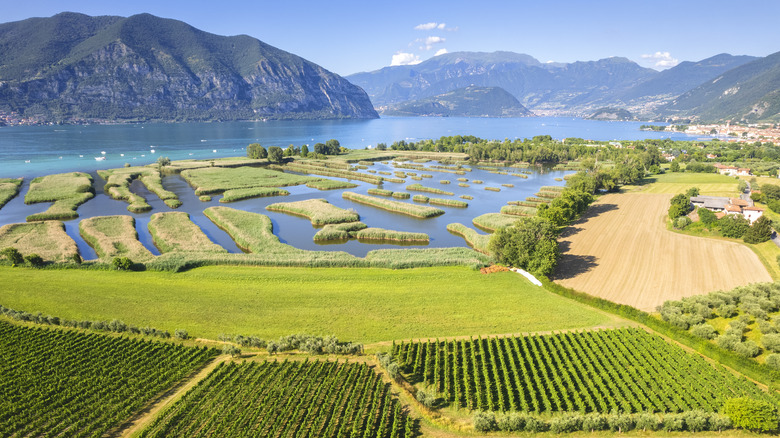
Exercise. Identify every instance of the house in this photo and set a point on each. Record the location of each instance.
(723, 206)
(752, 213)
(743, 171)
(668, 157)
(712, 203)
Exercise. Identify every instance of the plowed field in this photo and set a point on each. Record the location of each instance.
(622, 251)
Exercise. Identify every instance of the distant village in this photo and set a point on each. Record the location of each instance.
(732, 133)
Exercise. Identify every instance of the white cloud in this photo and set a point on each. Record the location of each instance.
(402, 58)
(430, 41)
(661, 59)
(431, 26)
(440, 52)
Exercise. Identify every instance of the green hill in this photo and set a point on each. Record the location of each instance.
(748, 93)
(76, 67)
(464, 102)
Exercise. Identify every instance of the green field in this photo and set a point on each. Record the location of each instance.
(709, 184)
(362, 305)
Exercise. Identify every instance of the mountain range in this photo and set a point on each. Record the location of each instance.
(463, 102)
(583, 88)
(73, 67)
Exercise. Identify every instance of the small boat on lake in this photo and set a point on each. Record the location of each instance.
(100, 158)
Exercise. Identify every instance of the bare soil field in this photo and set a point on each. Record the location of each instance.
(621, 251)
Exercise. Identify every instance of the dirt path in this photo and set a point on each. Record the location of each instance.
(149, 413)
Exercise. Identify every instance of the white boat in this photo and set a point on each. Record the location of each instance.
(100, 158)
(102, 152)
(152, 150)
(121, 155)
(26, 161)
(81, 156)
(215, 151)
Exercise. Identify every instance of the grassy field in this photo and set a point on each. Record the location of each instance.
(493, 221)
(174, 231)
(251, 192)
(65, 190)
(213, 180)
(47, 239)
(318, 211)
(382, 235)
(330, 184)
(339, 231)
(476, 240)
(622, 251)
(363, 305)
(710, 184)
(9, 188)
(118, 187)
(422, 188)
(114, 236)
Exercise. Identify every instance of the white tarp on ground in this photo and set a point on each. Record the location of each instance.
(527, 275)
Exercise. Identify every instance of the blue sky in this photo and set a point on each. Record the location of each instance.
(352, 36)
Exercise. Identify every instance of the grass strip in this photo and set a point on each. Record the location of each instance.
(330, 184)
(251, 192)
(114, 236)
(421, 198)
(493, 189)
(118, 187)
(174, 231)
(338, 173)
(475, 240)
(448, 202)
(380, 234)
(9, 188)
(401, 195)
(444, 181)
(548, 195)
(469, 197)
(552, 189)
(508, 185)
(318, 211)
(380, 192)
(464, 185)
(418, 258)
(213, 180)
(422, 188)
(65, 190)
(518, 210)
(520, 175)
(463, 179)
(394, 206)
(493, 221)
(339, 232)
(47, 239)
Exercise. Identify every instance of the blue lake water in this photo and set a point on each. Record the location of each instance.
(40, 150)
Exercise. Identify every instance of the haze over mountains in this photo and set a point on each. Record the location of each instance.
(581, 88)
(76, 67)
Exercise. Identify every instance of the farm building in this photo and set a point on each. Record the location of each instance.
(720, 204)
(732, 170)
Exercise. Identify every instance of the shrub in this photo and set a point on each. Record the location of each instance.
(760, 231)
(594, 421)
(766, 328)
(647, 421)
(747, 413)
(771, 342)
(704, 331)
(696, 420)
(122, 263)
(706, 216)
(773, 360)
(733, 225)
(77, 258)
(566, 423)
(485, 422)
(728, 341)
(181, 334)
(428, 399)
(511, 422)
(619, 422)
(728, 310)
(682, 222)
(13, 255)
(231, 350)
(535, 425)
(747, 349)
(34, 260)
(673, 422)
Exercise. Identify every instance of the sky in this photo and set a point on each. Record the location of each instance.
(353, 36)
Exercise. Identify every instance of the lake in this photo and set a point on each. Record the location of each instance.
(56, 149)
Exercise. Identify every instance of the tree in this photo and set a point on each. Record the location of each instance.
(304, 150)
(733, 225)
(163, 161)
(231, 349)
(680, 206)
(692, 192)
(381, 147)
(275, 154)
(770, 191)
(181, 334)
(530, 244)
(13, 255)
(747, 413)
(122, 263)
(332, 147)
(760, 231)
(290, 151)
(706, 217)
(34, 260)
(256, 152)
(675, 167)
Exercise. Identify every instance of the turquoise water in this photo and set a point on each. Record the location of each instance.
(55, 149)
(40, 150)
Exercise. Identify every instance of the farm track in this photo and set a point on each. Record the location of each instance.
(621, 251)
(141, 420)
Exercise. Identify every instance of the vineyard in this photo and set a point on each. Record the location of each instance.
(301, 399)
(66, 383)
(628, 370)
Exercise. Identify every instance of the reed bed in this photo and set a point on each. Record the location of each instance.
(366, 163)
(416, 178)
(421, 160)
(421, 198)
(508, 185)
(174, 231)
(499, 172)
(118, 187)
(552, 189)
(380, 192)
(422, 188)
(411, 173)
(464, 185)
(380, 234)
(425, 175)
(408, 166)
(493, 189)
(559, 179)
(448, 202)
(493, 221)
(359, 167)
(204, 198)
(444, 181)
(394, 180)
(418, 258)
(371, 171)
(518, 210)
(318, 211)
(214, 180)
(455, 168)
(337, 173)
(330, 184)
(66, 191)
(520, 175)
(473, 238)
(394, 206)
(253, 232)
(476, 181)
(568, 177)
(525, 203)
(537, 200)
(469, 197)
(47, 239)
(114, 236)
(381, 172)
(339, 232)
(548, 195)
(9, 188)
(400, 174)
(463, 179)
(401, 195)
(234, 195)
(328, 164)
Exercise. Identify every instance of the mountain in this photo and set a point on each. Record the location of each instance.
(609, 113)
(463, 102)
(572, 87)
(750, 92)
(73, 67)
